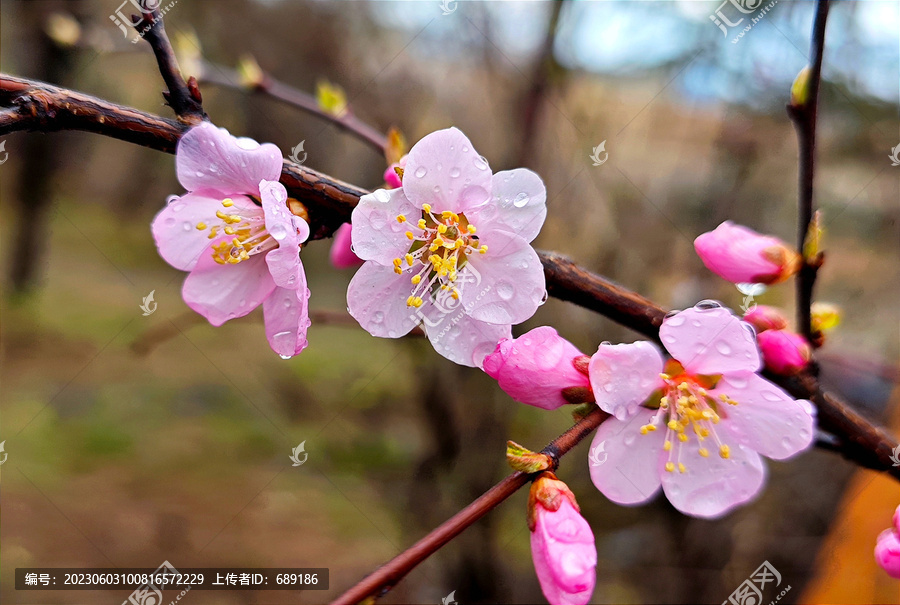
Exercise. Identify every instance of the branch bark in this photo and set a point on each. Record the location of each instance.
(803, 115)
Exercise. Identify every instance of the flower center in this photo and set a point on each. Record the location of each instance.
(439, 248)
(249, 235)
(688, 411)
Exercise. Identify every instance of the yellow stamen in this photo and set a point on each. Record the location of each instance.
(724, 451)
(670, 467)
(228, 202)
(201, 226)
(401, 218)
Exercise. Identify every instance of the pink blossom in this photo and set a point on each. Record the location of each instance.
(449, 248)
(696, 425)
(784, 352)
(764, 317)
(887, 552)
(234, 234)
(562, 543)
(341, 254)
(539, 368)
(742, 255)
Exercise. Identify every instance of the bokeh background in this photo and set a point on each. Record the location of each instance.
(135, 439)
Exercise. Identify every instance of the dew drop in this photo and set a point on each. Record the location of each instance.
(170, 221)
(465, 149)
(480, 163)
(521, 200)
(378, 317)
(285, 356)
(186, 226)
(287, 303)
(673, 313)
(771, 396)
(707, 305)
(505, 290)
(629, 439)
(723, 348)
(199, 173)
(278, 231)
(178, 207)
(439, 166)
(544, 297)
(437, 189)
(454, 172)
(242, 302)
(382, 196)
(674, 320)
(421, 171)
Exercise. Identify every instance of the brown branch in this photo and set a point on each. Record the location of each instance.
(330, 201)
(384, 578)
(803, 114)
(183, 97)
(294, 97)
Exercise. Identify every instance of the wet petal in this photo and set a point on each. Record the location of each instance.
(209, 157)
(376, 234)
(444, 170)
(286, 312)
(376, 298)
(624, 464)
(623, 376)
(461, 338)
(518, 205)
(710, 341)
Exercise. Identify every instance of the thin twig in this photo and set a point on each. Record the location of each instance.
(803, 115)
(183, 97)
(385, 577)
(268, 86)
(44, 107)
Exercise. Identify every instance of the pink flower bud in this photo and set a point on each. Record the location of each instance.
(887, 552)
(391, 178)
(342, 257)
(742, 255)
(562, 544)
(539, 369)
(763, 317)
(784, 352)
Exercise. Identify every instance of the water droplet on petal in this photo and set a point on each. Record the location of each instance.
(437, 189)
(723, 348)
(521, 200)
(378, 317)
(198, 173)
(170, 221)
(544, 297)
(278, 231)
(629, 439)
(421, 171)
(706, 305)
(673, 313)
(480, 163)
(454, 172)
(505, 290)
(674, 320)
(186, 226)
(285, 356)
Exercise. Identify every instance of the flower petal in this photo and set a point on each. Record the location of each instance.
(286, 312)
(518, 205)
(710, 340)
(564, 555)
(504, 286)
(766, 419)
(286, 229)
(711, 487)
(460, 338)
(623, 376)
(179, 241)
(209, 157)
(376, 234)
(444, 170)
(376, 298)
(223, 292)
(624, 464)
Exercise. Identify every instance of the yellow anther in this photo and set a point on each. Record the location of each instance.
(674, 425)
(664, 402)
(681, 468)
(664, 376)
(416, 279)
(703, 452)
(670, 467)
(471, 228)
(684, 387)
(682, 437)
(644, 430)
(418, 302)
(724, 451)
(410, 300)
(221, 215)
(229, 230)
(453, 276)
(426, 207)
(201, 226)
(723, 396)
(228, 202)
(704, 433)
(401, 218)
(483, 250)
(421, 223)
(219, 260)
(397, 262)
(442, 228)
(398, 270)
(409, 259)
(455, 294)
(446, 214)
(667, 445)
(410, 236)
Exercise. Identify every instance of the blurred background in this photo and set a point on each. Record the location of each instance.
(135, 439)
